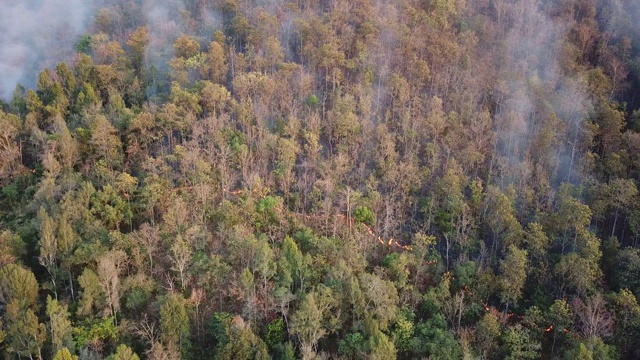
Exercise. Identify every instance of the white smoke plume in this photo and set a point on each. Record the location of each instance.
(535, 87)
(35, 35)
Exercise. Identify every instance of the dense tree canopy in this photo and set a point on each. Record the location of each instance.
(439, 179)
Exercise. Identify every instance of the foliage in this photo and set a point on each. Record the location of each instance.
(404, 179)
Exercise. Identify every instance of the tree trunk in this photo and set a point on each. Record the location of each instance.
(615, 221)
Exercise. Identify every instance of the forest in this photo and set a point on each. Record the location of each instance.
(320, 179)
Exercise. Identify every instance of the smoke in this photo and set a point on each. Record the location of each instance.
(35, 35)
(622, 21)
(535, 89)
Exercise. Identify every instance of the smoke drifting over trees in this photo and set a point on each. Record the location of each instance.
(348, 179)
(38, 34)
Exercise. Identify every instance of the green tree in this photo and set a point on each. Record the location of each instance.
(434, 339)
(519, 345)
(64, 354)
(48, 246)
(11, 247)
(381, 347)
(3, 334)
(59, 326)
(364, 215)
(110, 207)
(403, 330)
(92, 295)
(181, 253)
(627, 313)
(501, 219)
(309, 322)
(579, 353)
(186, 46)
(537, 244)
(513, 275)
(67, 79)
(216, 68)
(105, 143)
(123, 352)
(617, 198)
(242, 343)
(293, 266)
(174, 323)
(137, 42)
(25, 335)
(560, 318)
(19, 284)
(381, 297)
(487, 333)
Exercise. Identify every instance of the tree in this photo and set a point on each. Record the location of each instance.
(559, 319)
(123, 352)
(186, 46)
(188, 102)
(537, 244)
(403, 330)
(66, 78)
(452, 216)
(181, 257)
(381, 297)
(3, 334)
(48, 246)
(242, 343)
(64, 354)
(59, 326)
(343, 125)
(579, 273)
(434, 339)
(216, 68)
(19, 284)
(11, 247)
(149, 239)
(137, 42)
(174, 323)
(518, 344)
(111, 207)
(593, 318)
(105, 143)
(626, 269)
(501, 218)
(487, 333)
(66, 148)
(617, 198)
(214, 98)
(627, 318)
(25, 335)
(92, 294)
(10, 149)
(293, 266)
(381, 347)
(309, 322)
(106, 51)
(591, 348)
(52, 95)
(579, 353)
(109, 268)
(513, 275)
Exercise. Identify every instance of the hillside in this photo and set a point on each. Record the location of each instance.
(322, 179)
